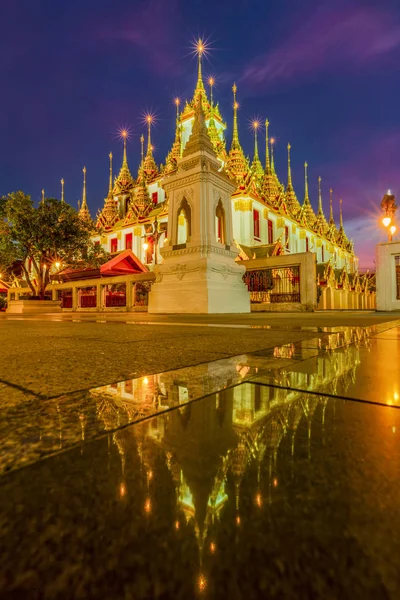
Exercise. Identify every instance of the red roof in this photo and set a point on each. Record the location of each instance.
(125, 263)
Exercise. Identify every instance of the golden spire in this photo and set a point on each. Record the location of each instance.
(272, 142)
(289, 170)
(84, 202)
(84, 210)
(256, 164)
(149, 120)
(235, 133)
(211, 82)
(150, 168)
(43, 196)
(341, 213)
(291, 198)
(331, 219)
(177, 102)
(124, 135)
(110, 184)
(62, 190)
(306, 196)
(267, 162)
(320, 209)
(199, 138)
(142, 148)
(200, 50)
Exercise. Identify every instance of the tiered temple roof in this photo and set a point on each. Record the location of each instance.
(252, 179)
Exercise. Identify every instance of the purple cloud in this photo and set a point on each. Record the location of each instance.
(151, 28)
(329, 38)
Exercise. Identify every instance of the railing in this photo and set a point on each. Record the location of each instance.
(88, 301)
(274, 285)
(115, 299)
(66, 301)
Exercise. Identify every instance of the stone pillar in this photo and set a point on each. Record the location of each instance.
(199, 275)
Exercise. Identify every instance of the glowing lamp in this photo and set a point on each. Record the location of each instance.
(145, 246)
(177, 101)
(145, 381)
(211, 81)
(392, 229)
(386, 221)
(57, 265)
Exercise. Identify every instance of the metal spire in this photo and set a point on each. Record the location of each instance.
(142, 147)
(306, 196)
(235, 133)
(267, 161)
(84, 203)
(320, 209)
(341, 214)
(289, 178)
(331, 219)
(62, 190)
(43, 196)
(110, 184)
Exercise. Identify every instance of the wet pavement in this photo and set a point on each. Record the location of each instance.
(271, 474)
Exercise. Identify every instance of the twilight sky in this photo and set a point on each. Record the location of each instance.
(325, 73)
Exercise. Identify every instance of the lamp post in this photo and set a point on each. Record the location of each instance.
(155, 234)
(388, 204)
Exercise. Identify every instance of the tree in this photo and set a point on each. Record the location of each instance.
(34, 238)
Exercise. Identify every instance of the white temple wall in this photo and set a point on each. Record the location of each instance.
(387, 288)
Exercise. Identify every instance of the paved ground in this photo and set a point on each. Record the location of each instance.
(52, 355)
(285, 486)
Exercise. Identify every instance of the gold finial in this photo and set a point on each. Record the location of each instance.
(110, 183)
(62, 190)
(341, 213)
(272, 142)
(255, 124)
(306, 197)
(43, 196)
(267, 161)
(331, 219)
(320, 210)
(200, 48)
(211, 83)
(124, 134)
(235, 134)
(177, 102)
(142, 147)
(149, 121)
(84, 203)
(289, 184)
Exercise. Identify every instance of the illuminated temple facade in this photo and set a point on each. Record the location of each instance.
(266, 212)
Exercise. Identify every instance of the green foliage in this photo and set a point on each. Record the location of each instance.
(43, 235)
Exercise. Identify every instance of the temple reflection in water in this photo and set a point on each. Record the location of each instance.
(216, 461)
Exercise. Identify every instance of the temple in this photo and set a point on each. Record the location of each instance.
(265, 210)
(234, 215)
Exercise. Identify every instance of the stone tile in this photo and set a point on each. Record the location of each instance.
(366, 371)
(247, 494)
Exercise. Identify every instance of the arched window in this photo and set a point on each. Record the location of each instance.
(184, 222)
(220, 223)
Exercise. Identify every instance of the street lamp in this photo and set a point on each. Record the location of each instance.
(388, 204)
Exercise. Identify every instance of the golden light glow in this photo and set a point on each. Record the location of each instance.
(177, 101)
(149, 118)
(396, 396)
(147, 505)
(238, 520)
(255, 124)
(124, 133)
(394, 429)
(211, 81)
(145, 246)
(57, 265)
(236, 105)
(213, 547)
(177, 525)
(275, 482)
(258, 500)
(392, 229)
(272, 140)
(145, 380)
(122, 490)
(202, 583)
(386, 221)
(150, 474)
